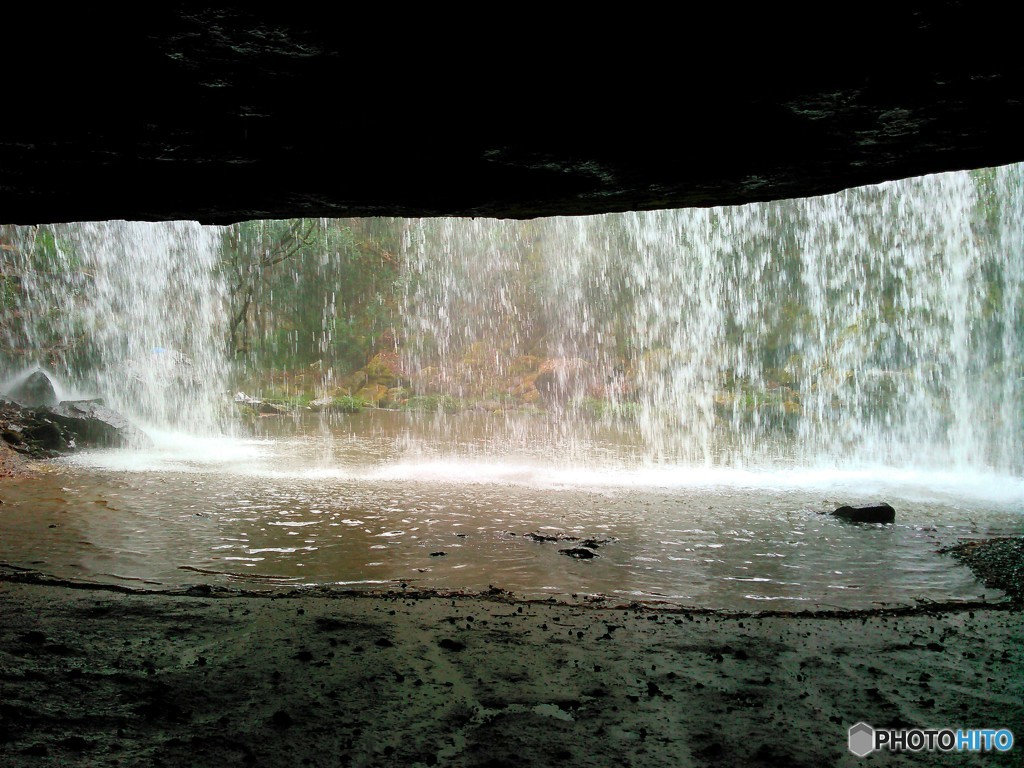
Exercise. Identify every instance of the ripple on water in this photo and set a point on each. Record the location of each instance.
(676, 534)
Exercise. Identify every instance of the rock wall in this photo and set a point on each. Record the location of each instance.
(227, 113)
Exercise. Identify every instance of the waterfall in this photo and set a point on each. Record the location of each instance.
(878, 326)
(131, 312)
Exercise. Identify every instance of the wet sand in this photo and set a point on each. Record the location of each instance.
(103, 677)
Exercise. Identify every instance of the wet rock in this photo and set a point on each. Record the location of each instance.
(879, 513)
(47, 435)
(257, 406)
(34, 392)
(96, 425)
(579, 553)
(543, 537)
(451, 645)
(590, 543)
(33, 433)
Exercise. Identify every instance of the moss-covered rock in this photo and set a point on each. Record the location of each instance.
(385, 368)
(353, 382)
(373, 394)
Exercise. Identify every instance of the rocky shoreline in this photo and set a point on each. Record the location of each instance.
(998, 563)
(48, 431)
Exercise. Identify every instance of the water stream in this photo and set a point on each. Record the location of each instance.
(881, 325)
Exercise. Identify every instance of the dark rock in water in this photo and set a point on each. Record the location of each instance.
(96, 425)
(579, 553)
(879, 513)
(33, 432)
(544, 537)
(34, 392)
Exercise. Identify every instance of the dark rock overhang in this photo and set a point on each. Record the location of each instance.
(223, 114)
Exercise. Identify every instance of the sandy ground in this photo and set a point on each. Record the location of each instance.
(98, 677)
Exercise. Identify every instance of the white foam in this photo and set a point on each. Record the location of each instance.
(179, 452)
(283, 459)
(867, 482)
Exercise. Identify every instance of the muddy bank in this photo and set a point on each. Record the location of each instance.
(108, 677)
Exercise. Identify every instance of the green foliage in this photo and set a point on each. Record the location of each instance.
(598, 409)
(348, 404)
(42, 281)
(290, 401)
(432, 404)
(306, 291)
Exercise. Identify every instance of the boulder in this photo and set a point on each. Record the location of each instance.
(33, 432)
(879, 513)
(34, 392)
(47, 435)
(96, 425)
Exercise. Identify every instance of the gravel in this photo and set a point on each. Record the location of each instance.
(998, 563)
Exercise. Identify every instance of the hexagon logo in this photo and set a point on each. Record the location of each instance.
(862, 739)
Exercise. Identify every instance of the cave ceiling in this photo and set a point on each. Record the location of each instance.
(226, 113)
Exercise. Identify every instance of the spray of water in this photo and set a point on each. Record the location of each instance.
(881, 325)
(131, 312)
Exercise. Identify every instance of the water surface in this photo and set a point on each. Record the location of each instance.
(365, 501)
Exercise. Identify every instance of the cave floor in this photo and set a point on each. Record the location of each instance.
(98, 677)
